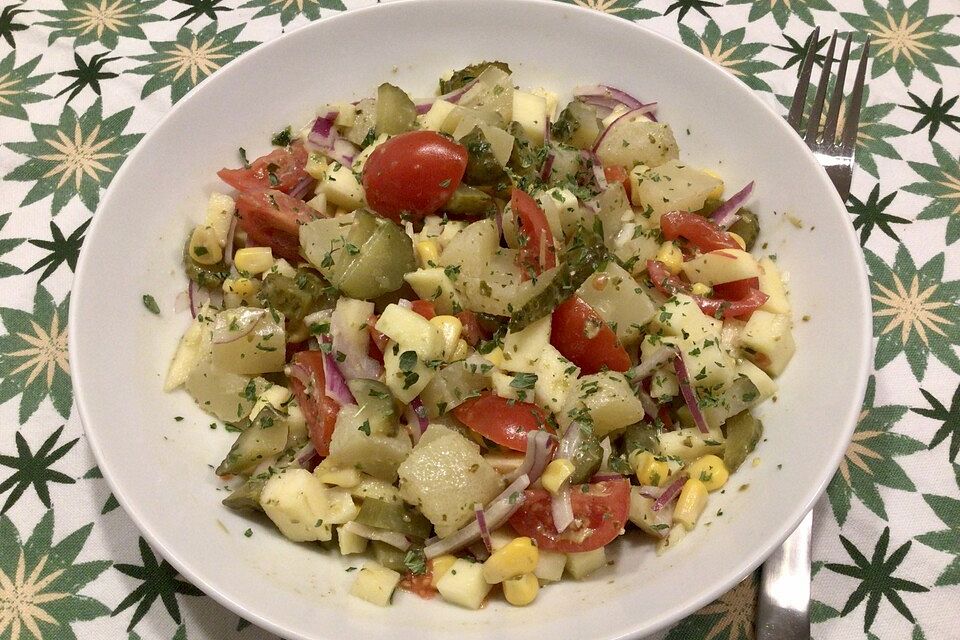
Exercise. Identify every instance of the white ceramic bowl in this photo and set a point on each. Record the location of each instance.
(158, 468)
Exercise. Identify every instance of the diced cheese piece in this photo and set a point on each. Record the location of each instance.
(411, 331)
(619, 300)
(316, 166)
(342, 188)
(350, 542)
(708, 365)
(319, 203)
(356, 445)
(186, 357)
(558, 205)
(434, 119)
(445, 478)
(371, 487)
(580, 565)
(530, 112)
(672, 186)
(550, 566)
(303, 508)
(608, 399)
(688, 443)
(770, 339)
(406, 384)
(555, 377)
(375, 584)
(501, 385)
(346, 113)
(220, 210)
(463, 584)
(664, 383)
(521, 349)
(275, 396)
(478, 239)
(361, 160)
(681, 317)
(771, 283)
(723, 265)
(434, 285)
(766, 387)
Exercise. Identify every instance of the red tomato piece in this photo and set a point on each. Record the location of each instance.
(616, 173)
(319, 410)
(715, 307)
(599, 514)
(537, 253)
(472, 331)
(272, 219)
(503, 421)
(580, 334)
(425, 308)
(286, 165)
(736, 290)
(413, 174)
(701, 232)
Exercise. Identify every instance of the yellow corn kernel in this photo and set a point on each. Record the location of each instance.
(439, 566)
(495, 357)
(316, 165)
(690, 504)
(204, 246)
(518, 557)
(709, 470)
(243, 287)
(700, 289)
(450, 329)
(717, 193)
(556, 474)
(740, 241)
(253, 260)
(669, 254)
(428, 252)
(649, 470)
(461, 352)
(522, 590)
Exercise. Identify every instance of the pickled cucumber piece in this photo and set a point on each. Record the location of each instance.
(265, 438)
(394, 516)
(743, 433)
(396, 112)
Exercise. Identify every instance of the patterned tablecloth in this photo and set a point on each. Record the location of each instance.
(887, 534)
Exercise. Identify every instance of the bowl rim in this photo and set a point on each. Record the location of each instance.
(749, 562)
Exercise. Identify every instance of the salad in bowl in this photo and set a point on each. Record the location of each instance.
(478, 337)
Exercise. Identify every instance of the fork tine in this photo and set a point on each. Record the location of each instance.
(800, 95)
(813, 122)
(836, 101)
(849, 139)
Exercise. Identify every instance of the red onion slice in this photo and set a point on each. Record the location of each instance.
(689, 395)
(561, 507)
(612, 95)
(650, 407)
(423, 105)
(537, 457)
(303, 188)
(482, 524)
(650, 491)
(726, 214)
(497, 512)
(645, 110)
(237, 326)
(649, 364)
(571, 440)
(323, 137)
(353, 345)
(671, 492)
(335, 386)
(392, 538)
(547, 168)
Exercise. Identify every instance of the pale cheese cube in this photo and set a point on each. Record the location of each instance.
(501, 385)
(302, 508)
(342, 188)
(557, 205)
(360, 161)
(405, 385)
(350, 543)
(521, 349)
(463, 584)
(607, 398)
(186, 357)
(581, 565)
(771, 283)
(220, 210)
(769, 340)
(681, 317)
(555, 377)
(530, 112)
(551, 99)
(688, 443)
(723, 265)
(434, 119)
(434, 285)
(766, 387)
(664, 383)
(411, 331)
(550, 566)
(619, 300)
(375, 584)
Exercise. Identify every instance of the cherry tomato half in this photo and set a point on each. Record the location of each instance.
(701, 232)
(319, 410)
(599, 514)
(413, 174)
(670, 285)
(503, 421)
(281, 169)
(272, 219)
(582, 337)
(537, 253)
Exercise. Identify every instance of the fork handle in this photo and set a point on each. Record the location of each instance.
(783, 606)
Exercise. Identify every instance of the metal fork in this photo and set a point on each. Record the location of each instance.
(783, 605)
